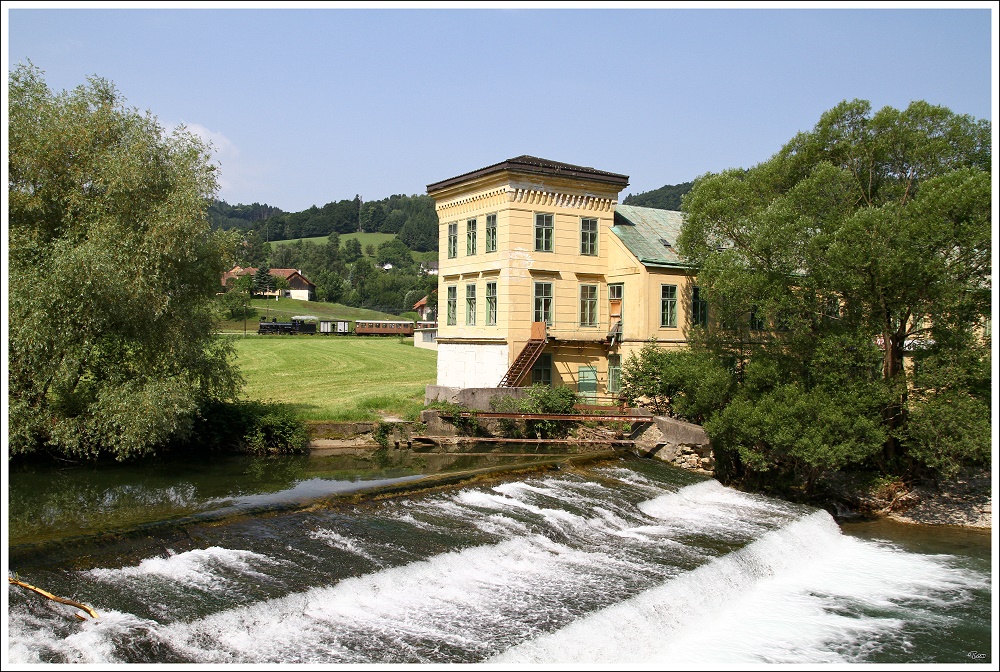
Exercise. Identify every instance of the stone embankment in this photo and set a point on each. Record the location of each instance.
(966, 500)
(680, 443)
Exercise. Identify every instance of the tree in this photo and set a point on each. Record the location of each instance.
(352, 250)
(263, 281)
(113, 269)
(861, 242)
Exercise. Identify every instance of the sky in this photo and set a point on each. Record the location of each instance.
(327, 101)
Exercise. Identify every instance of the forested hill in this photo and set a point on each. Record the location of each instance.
(412, 218)
(665, 198)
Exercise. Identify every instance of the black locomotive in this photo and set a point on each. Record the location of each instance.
(297, 325)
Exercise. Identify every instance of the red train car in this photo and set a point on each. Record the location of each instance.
(383, 327)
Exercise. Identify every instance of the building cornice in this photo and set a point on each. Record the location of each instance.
(535, 196)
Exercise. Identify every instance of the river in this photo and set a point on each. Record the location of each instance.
(623, 562)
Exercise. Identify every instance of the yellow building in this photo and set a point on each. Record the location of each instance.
(543, 277)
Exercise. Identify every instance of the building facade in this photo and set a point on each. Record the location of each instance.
(534, 249)
(299, 287)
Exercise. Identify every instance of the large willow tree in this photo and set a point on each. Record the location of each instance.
(862, 244)
(112, 270)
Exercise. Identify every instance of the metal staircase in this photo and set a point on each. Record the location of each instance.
(527, 357)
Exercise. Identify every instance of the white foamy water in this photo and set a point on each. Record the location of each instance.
(801, 594)
(550, 571)
(204, 569)
(337, 540)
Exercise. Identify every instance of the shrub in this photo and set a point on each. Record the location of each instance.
(254, 427)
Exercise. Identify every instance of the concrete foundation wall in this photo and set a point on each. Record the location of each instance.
(474, 398)
(471, 365)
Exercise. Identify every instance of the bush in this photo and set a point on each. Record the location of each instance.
(254, 427)
(539, 399)
(686, 384)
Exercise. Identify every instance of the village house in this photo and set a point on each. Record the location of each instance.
(299, 287)
(545, 278)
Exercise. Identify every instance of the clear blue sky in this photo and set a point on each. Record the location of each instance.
(307, 106)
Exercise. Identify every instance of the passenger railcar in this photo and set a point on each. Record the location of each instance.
(383, 328)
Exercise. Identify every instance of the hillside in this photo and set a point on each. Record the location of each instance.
(667, 197)
(411, 218)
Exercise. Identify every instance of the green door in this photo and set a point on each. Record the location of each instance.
(586, 385)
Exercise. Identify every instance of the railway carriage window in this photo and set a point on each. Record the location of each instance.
(491, 304)
(452, 309)
(491, 233)
(543, 233)
(470, 237)
(453, 240)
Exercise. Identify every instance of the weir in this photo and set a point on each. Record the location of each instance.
(627, 561)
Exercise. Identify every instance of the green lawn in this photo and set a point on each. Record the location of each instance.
(374, 239)
(338, 378)
(286, 308)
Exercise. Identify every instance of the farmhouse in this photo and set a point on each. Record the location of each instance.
(544, 277)
(299, 287)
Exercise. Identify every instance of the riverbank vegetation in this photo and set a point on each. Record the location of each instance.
(848, 279)
(114, 267)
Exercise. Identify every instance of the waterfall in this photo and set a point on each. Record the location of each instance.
(622, 565)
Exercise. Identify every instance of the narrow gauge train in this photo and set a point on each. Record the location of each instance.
(306, 324)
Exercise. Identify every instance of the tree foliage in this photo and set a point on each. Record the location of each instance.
(861, 244)
(667, 197)
(688, 384)
(113, 267)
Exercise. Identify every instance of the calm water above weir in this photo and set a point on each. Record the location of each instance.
(618, 562)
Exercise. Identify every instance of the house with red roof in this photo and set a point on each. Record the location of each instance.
(299, 287)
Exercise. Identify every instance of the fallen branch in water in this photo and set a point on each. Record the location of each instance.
(55, 598)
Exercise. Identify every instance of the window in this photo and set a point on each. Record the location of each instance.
(588, 305)
(756, 320)
(543, 233)
(452, 305)
(615, 291)
(668, 305)
(588, 236)
(586, 384)
(543, 302)
(470, 237)
(453, 240)
(470, 305)
(614, 374)
(542, 371)
(491, 233)
(699, 309)
(491, 303)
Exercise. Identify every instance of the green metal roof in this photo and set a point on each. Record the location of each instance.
(650, 234)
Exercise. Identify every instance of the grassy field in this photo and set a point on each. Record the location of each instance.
(338, 378)
(286, 308)
(374, 239)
